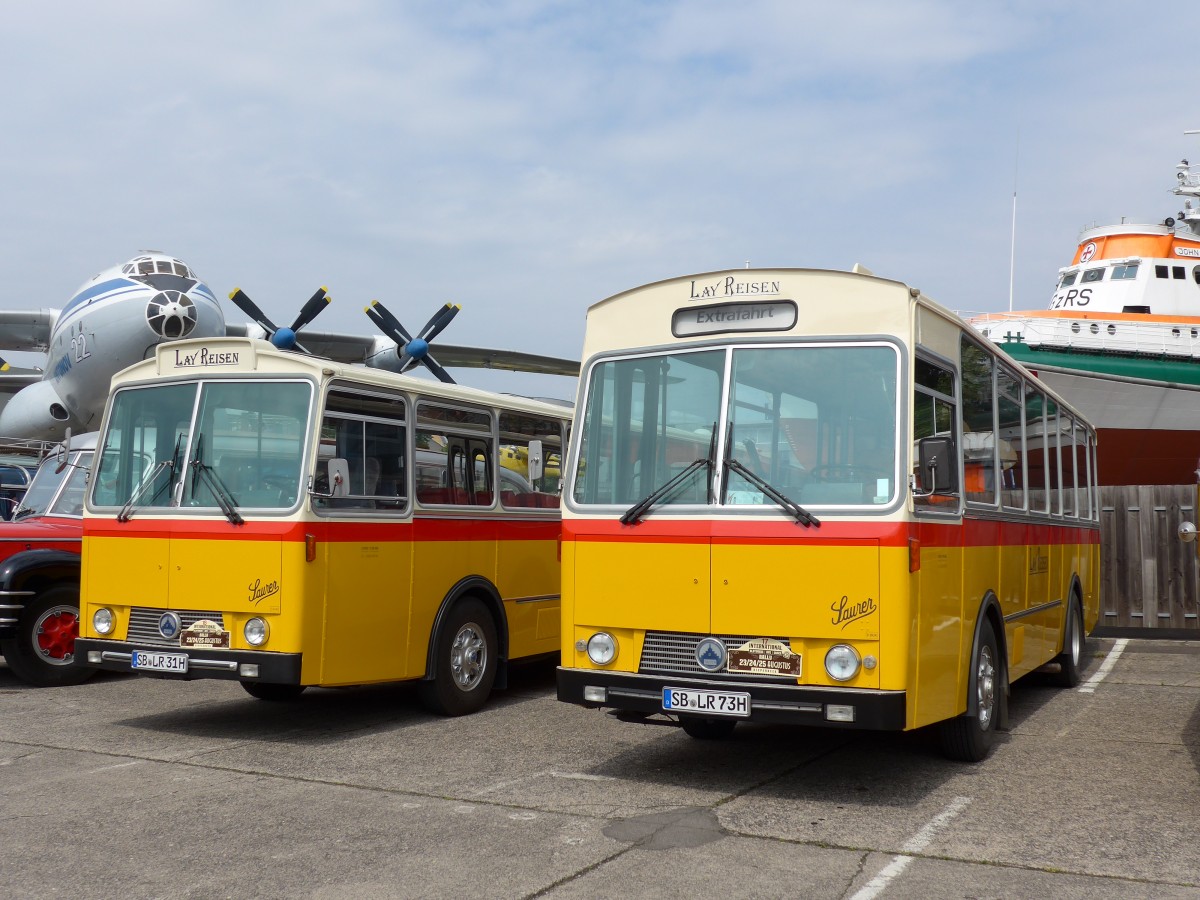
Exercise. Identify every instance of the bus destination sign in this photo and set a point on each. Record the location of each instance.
(721, 318)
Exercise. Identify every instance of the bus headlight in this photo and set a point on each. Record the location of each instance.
(102, 621)
(602, 648)
(256, 632)
(841, 662)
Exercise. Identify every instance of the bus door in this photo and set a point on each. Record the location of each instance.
(364, 542)
(454, 535)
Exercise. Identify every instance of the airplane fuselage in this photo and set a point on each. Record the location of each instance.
(113, 321)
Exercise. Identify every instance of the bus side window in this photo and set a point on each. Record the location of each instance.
(934, 414)
(520, 436)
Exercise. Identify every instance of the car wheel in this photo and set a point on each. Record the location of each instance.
(464, 667)
(1070, 661)
(43, 652)
(969, 737)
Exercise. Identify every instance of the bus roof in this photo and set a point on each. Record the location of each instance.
(774, 304)
(235, 356)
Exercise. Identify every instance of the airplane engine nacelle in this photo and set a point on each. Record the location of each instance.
(38, 412)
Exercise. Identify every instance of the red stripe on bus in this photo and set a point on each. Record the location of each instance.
(971, 533)
(419, 529)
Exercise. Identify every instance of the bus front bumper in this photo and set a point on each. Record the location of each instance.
(231, 665)
(779, 703)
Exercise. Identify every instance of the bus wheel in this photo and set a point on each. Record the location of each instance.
(1070, 661)
(969, 737)
(707, 729)
(277, 693)
(464, 666)
(43, 652)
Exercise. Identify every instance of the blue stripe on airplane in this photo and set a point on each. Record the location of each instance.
(86, 296)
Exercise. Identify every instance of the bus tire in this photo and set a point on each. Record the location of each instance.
(707, 729)
(276, 693)
(969, 737)
(1070, 661)
(464, 667)
(43, 651)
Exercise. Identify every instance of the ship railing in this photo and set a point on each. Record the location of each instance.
(1154, 339)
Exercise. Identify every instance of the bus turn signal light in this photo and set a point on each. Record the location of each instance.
(914, 554)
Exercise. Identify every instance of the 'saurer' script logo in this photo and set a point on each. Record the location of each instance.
(845, 612)
(260, 591)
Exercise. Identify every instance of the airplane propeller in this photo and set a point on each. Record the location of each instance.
(283, 338)
(415, 350)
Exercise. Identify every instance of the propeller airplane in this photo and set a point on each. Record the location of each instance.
(120, 315)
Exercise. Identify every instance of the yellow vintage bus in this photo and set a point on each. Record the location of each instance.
(818, 497)
(285, 521)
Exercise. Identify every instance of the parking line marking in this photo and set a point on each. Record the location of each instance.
(916, 844)
(1114, 654)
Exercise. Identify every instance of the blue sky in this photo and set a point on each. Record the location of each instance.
(531, 157)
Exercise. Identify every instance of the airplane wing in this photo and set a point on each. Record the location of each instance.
(27, 329)
(510, 360)
(358, 348)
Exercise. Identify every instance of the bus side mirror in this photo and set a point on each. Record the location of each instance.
(939, 465)
(536, 466)
(334, 481)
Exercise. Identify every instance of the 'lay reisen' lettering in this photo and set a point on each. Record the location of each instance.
(731, 287)
(206, 357)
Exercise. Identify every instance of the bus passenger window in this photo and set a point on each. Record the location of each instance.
(368, 432)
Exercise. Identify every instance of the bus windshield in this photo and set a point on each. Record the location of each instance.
(817, 423)
(214, 444)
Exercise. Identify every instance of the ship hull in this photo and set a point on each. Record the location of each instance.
(1148, 428)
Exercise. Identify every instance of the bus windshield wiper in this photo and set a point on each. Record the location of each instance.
(167, 465)
(205, 473)
(793, 509)
(639, 509)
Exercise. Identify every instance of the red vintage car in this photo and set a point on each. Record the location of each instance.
(39, 571)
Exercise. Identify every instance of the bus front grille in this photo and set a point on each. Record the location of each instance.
(143, 624)
(674, 653)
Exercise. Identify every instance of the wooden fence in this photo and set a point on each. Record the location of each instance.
(1149, 578)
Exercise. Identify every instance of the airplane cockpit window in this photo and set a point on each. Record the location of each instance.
(181, 269)
(127, 269)
(146, 267)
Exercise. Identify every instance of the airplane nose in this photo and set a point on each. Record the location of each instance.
(171, 314)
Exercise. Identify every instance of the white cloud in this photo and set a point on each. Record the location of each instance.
(528, 158)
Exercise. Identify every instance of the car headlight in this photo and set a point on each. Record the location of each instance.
(256, 631)
(841, 662)
(602, 648)
(102, 621)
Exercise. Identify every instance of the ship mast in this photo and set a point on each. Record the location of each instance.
(1188, 185)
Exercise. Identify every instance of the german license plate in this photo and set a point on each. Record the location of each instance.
(711, 703)
(149, 661)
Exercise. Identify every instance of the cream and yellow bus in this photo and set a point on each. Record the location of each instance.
(285, 521)
(818, 497)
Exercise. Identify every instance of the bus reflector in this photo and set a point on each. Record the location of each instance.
(914, 554)
(310, 547)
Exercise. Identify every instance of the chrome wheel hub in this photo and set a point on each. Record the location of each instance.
(468, 657)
